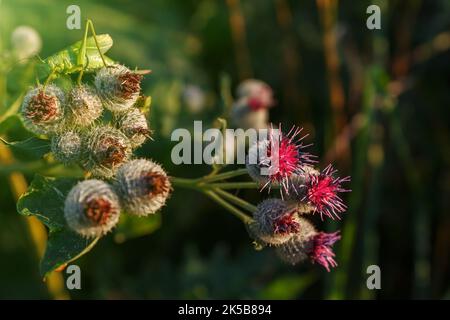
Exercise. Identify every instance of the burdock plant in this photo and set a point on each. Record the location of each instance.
(99, 121)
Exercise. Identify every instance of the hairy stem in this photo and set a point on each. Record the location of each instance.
(185, 183)
(232, 209)
(236, 200)
(225, 175)
(232, 185)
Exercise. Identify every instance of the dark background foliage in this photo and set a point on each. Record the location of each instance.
(375, 102)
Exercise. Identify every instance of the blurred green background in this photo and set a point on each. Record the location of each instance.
(375, 103)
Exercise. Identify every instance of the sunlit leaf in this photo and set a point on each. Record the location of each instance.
(45, 200)
(34, 147)
(130, 227)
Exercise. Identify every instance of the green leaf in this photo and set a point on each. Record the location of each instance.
(144, 103)
(288, 287)
(130, 226)
(10, 122)
(65, 61)
(45, 200)
(64, 247)
(34, 147)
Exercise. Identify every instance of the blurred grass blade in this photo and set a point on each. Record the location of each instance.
(12, 110)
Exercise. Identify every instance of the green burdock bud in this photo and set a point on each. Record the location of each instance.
(118, 87)
(275, 222)
(134, 125)
(92, 208)
(143, 187)
(43, 109)
(66, 147)
(105, 149)
(85, 106)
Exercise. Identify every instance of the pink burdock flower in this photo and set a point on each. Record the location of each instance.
(286, 224)
(321, 251)
(281, 156)
(322, 192)
(309, 244)
(275, 222)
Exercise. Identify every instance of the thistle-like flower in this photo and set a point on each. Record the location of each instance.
(92, 208)
(85, 106)
(275, 222)
(282, 157)
(118, 87)
(66, 147)
(322, 193)
(143, 187)
(134, 125)
(298, 182)
(322, 252)
(106, 148)
(43, 109)
(308, 244)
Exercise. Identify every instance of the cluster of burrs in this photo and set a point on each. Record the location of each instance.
(280, 162)
(97, 127)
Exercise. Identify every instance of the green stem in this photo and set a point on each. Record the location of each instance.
(185, 183)
(49, 78)
(203, 183)
(215, 170)
(218, 167)
(236, 200)
(232, 185)
(198, 184)
(225, 175)
(235, 211)
(225, 93)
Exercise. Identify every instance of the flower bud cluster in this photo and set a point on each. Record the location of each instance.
(281, 163)
(76, 124)
(141, 188)
(74, 121)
